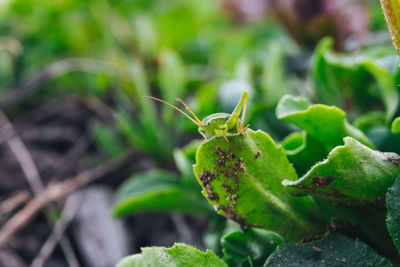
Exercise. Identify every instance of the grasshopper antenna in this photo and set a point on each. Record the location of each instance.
(198, 123)
(191, 112)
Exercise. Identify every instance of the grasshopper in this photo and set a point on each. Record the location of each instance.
(217, 124)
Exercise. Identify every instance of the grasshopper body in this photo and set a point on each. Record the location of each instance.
(217, 124)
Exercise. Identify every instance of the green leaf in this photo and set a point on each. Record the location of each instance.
(321, 73)
(180, 255)
(158, 191)
(334, 250)
(145, 35)
(387, 84)
(303, 151)
(274, 80)
(106, 139)
(393, 217)
(183, 163)
(396, 125)
(327, 124)
(351, 172)
(370, 120)
(343, 78)
(148, 135)
(242, 179)
(256, 244)
(185, 158)
(172, 79)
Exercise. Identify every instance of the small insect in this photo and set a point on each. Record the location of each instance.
(217, 124)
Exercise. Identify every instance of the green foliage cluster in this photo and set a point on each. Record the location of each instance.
(312, 169)
(331, 171)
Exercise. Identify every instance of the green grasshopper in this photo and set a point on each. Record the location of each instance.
(217, 124)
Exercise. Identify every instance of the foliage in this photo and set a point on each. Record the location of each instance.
(310, 170)
(332, 175)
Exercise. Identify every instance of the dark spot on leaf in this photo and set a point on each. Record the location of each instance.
(334, 193)
(257, 155)
(238, 165)
(319, 181)
(230, 214)
(316, 249)
(212, 196)
(307, 239)
(227, 188)
(206, 177)
(394, 159)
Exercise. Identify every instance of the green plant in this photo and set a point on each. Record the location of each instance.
(251, 181)
(326, 186)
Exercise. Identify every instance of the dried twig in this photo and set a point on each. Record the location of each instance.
(70, 159)
(102, 110)
(11, 203)
(10, 258)
(23, 157)
(71, 206)
(31, 172)
(55, 192)
(6, 132)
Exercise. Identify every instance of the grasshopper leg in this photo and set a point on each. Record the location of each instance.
(222, 131)
(201, 131)
(243, 131)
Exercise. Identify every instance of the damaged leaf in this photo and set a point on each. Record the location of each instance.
(242, 179)
(351, 172)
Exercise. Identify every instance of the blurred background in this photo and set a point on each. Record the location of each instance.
(90, 171)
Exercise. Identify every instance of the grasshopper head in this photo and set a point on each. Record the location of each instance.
(212, 123)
